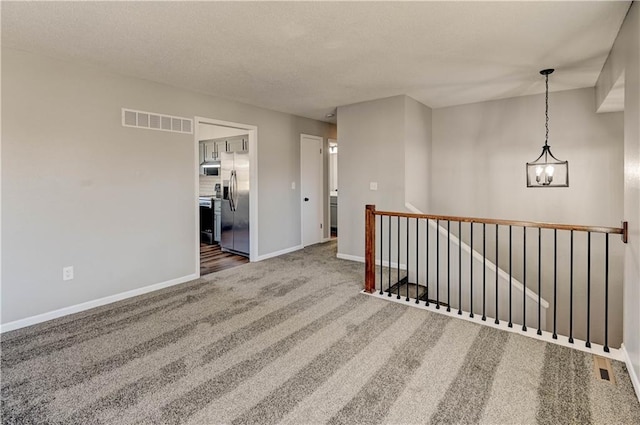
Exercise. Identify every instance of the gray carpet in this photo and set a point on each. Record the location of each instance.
(290, 340)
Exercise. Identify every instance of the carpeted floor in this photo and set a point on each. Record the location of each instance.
(290, 340)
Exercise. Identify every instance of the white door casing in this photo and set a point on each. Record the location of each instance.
(311, 199)
(239, 128)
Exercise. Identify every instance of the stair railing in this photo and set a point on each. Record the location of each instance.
(397, 275)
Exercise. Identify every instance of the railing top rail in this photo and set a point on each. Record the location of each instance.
(597, 229)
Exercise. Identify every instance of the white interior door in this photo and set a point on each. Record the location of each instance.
(311, 175)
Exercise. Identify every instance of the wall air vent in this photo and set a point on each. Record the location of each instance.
(154, 121)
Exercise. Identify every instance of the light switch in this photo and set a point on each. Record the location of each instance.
(293, 185)
(373, 185)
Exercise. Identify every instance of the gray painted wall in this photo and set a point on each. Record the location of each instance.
(116, 203)
(417, 154)
(472, 163)
(625, 57)
(480, 151)
(384, 141)
(371, 150)
(478, 169)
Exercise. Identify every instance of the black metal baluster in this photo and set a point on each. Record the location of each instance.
(437, 264)
(510, 280)
(588, 343)
(524, 279)
(448, 265)
(417, 257)
(407, 261)
(471, 272)
(555, 282)
(398, 297)
(381, 252)
(389, 257)
(539, 332)
(571, 290)
(497, 321)
(606, 292)
(426, 270)
(460, 267)
(484, 271)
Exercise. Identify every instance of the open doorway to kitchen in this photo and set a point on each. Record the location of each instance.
(226, 189)
(333, 188)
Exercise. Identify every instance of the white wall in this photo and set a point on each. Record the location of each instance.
(371, 150)
(478, 169)
(417, 154)
(386, 141)
(116, 203)
(625, 57)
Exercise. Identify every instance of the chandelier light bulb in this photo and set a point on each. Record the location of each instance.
(549, 170)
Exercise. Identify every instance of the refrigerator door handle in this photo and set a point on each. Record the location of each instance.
(232, 191)
(235, 190)
(230, 195)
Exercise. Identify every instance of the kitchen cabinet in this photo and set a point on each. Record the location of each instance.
(207, 153)
(234, 145)
(238, 145)
(221, 146)
(210, 219)
(211, 151)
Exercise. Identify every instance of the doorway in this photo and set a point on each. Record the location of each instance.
(311, 177)
(333, 188)
(217, 143)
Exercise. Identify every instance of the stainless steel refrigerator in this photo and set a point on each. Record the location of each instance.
(234, 236)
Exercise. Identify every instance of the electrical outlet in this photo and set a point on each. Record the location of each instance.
(293, 185)
(373, 186)
(67, 273)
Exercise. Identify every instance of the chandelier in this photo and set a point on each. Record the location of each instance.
(547, 170)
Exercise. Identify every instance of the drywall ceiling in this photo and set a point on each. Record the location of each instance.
(307, 58)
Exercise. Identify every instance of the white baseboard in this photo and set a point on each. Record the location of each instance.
(278, 253)
(385, 263)
(350, 257)
(597, 349)
(17, 324)
(635, 379)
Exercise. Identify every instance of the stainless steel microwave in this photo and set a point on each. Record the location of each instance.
(211, 168)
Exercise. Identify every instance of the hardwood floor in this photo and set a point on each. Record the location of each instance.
(212, 259)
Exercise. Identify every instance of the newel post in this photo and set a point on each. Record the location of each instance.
(369, 248)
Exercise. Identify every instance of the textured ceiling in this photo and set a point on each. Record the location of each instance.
(307, 58)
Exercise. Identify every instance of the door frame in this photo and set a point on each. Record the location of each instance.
(329, 141)
(252, 130)
(320, 188)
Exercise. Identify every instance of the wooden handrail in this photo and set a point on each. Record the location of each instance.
(422, 282)
(369, 249)
(596, 229)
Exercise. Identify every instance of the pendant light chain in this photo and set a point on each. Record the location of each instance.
(546, 110)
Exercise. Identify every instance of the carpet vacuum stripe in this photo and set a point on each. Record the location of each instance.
(467, 395)
(184, 407)
(564, 395)
(284, 398)
(375, 399)
(290, 340)
(132, 393)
